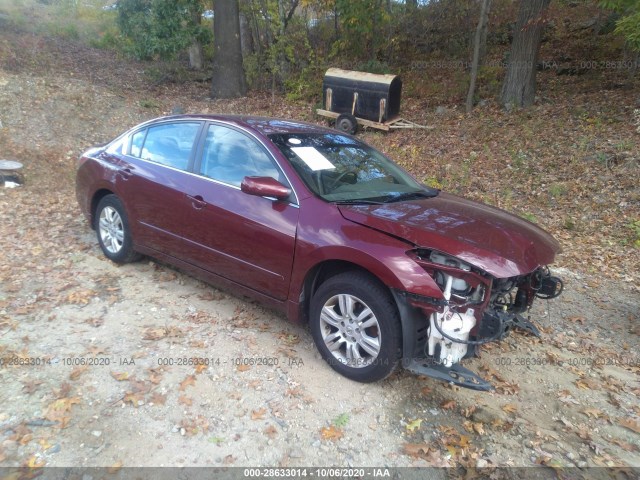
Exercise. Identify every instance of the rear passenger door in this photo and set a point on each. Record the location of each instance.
(154, 181)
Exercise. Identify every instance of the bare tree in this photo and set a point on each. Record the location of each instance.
(228, 71)
(519, 88)
(481, 33)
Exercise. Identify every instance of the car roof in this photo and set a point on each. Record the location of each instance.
(263, 125)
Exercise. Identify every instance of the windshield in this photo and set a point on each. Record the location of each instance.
(341, 169)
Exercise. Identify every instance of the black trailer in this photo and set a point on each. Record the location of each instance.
(368, 99)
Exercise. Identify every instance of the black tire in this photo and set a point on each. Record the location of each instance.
(112, 229)
(347, 123)
(364, 292)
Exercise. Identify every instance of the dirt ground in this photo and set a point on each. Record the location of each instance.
(99, 363)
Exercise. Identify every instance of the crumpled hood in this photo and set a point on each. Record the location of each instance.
(496, 241)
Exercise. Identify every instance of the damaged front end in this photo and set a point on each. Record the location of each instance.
(475, 309)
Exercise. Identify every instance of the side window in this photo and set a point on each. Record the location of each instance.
(168, 144)
(136, 143)
(117, 147)
(229, 156)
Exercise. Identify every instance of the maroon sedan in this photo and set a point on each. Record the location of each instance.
(325, 229)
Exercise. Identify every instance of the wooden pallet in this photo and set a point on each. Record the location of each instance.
(392, 124)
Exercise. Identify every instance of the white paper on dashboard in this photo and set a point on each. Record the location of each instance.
(313, 158)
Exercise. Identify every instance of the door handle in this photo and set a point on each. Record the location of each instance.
(197, 201)
(125, 173)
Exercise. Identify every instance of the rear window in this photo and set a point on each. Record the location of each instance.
(168, 144)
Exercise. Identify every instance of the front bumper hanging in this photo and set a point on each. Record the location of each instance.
(455, 374)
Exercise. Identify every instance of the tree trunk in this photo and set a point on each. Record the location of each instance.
(477, 49)
(195, 55)
(246, 37)
(519, 88)
(228, 72)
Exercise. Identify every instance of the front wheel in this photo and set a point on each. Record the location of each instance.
(356, 327)
(347, 123)
(114, 234)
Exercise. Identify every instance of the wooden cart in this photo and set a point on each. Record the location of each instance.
(358, 98)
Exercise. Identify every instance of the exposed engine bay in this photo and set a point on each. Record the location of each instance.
(476, 309)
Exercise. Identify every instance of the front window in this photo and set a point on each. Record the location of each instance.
(341, 169)
(229, 156)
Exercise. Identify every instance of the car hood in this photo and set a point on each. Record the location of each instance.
(486, 237)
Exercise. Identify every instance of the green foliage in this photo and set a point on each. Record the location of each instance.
(109, 39)
(628, 25)
(285, 59)
(634, 227)
(160, 28)
(433, 182)
(149, 103)
(341, 420)
(374, 66)
(363, 21)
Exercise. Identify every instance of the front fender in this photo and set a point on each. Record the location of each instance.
(383, 255)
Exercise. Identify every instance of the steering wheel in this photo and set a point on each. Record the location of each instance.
(335, 181)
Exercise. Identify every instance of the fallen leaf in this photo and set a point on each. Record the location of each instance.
(58, 410)
(95, 322)
(331, 433)
(448, 405)
(155, 333)
(426, 391)
(415, 449)
(158, 399)
(629, 447)
(188, 381)
(115, 467)
(184, 400)
(35, 462)
(509, 408)
(243, 368)
(631, 424)
(411, 426)
(467, 412)
(587, 384)
(133, 398)
(271, 431)
(593, 412)
(258, 414)
(479, 428)
(120, 376)
(64, 390)
(30, 386)
(476, 427)
(289, 338)
(76, 372)
(81, 297)
(201, 368)
(44, 443)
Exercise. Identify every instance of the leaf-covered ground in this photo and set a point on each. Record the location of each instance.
(101, 391)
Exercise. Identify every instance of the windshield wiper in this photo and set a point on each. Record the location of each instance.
(410, 195)
(357, 201)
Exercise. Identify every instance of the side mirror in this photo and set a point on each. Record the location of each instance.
(264, 187)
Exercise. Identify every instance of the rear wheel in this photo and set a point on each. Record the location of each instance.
(356, 327)
(112, 228)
